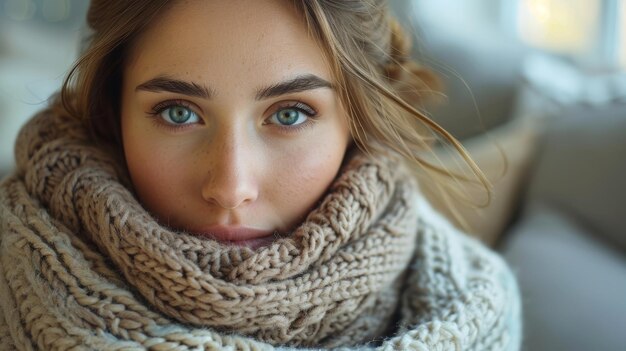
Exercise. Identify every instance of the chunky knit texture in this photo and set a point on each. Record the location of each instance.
(84, 266)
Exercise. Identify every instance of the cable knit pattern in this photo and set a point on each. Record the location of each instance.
(84, 266)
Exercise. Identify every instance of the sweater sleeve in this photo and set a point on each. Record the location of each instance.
(460, 294)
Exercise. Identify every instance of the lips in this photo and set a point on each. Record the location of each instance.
(236, 235)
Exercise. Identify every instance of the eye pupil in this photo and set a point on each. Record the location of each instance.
(287, 116)
(179, 114)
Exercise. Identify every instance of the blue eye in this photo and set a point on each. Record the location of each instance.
(177, 115)
(289, 116)
(293, 115)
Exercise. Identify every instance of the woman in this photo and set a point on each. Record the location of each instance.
(236, 175)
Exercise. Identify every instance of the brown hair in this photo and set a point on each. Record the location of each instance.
(380, 86)
(91, 90)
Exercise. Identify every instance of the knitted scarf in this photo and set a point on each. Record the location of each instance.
(84, 266)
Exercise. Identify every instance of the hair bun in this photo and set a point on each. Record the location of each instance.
(399, 42)
(413, 82)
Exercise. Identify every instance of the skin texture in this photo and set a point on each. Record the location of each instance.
(233, 163)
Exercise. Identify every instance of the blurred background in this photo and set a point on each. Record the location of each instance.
(540, 82)
(39, 40)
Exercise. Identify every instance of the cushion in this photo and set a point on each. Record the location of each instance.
(517, 140)
(582, 169)
(573, 286)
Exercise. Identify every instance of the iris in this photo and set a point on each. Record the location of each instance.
(287, 116)
(179, 114)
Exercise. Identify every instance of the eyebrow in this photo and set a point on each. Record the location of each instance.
(164, 83)
(297, 84)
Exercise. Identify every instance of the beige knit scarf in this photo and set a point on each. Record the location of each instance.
(84, 266)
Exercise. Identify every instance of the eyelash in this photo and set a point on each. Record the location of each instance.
(310, 112)
(157, 109)
(301, 107)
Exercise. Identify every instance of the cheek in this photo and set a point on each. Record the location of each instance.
(156, 170)
(301, 177)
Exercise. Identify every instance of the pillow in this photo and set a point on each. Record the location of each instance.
(582, 169)
(517, 139)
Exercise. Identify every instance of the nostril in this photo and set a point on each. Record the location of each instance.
(228, 205)
(229, 193)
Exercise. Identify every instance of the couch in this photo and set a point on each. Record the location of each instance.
(568, 245)
(559, 211)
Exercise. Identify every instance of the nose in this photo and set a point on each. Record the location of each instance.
(230, 181)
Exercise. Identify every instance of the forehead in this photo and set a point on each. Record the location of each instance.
(221, 41)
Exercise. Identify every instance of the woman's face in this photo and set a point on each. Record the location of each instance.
(231, 126)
